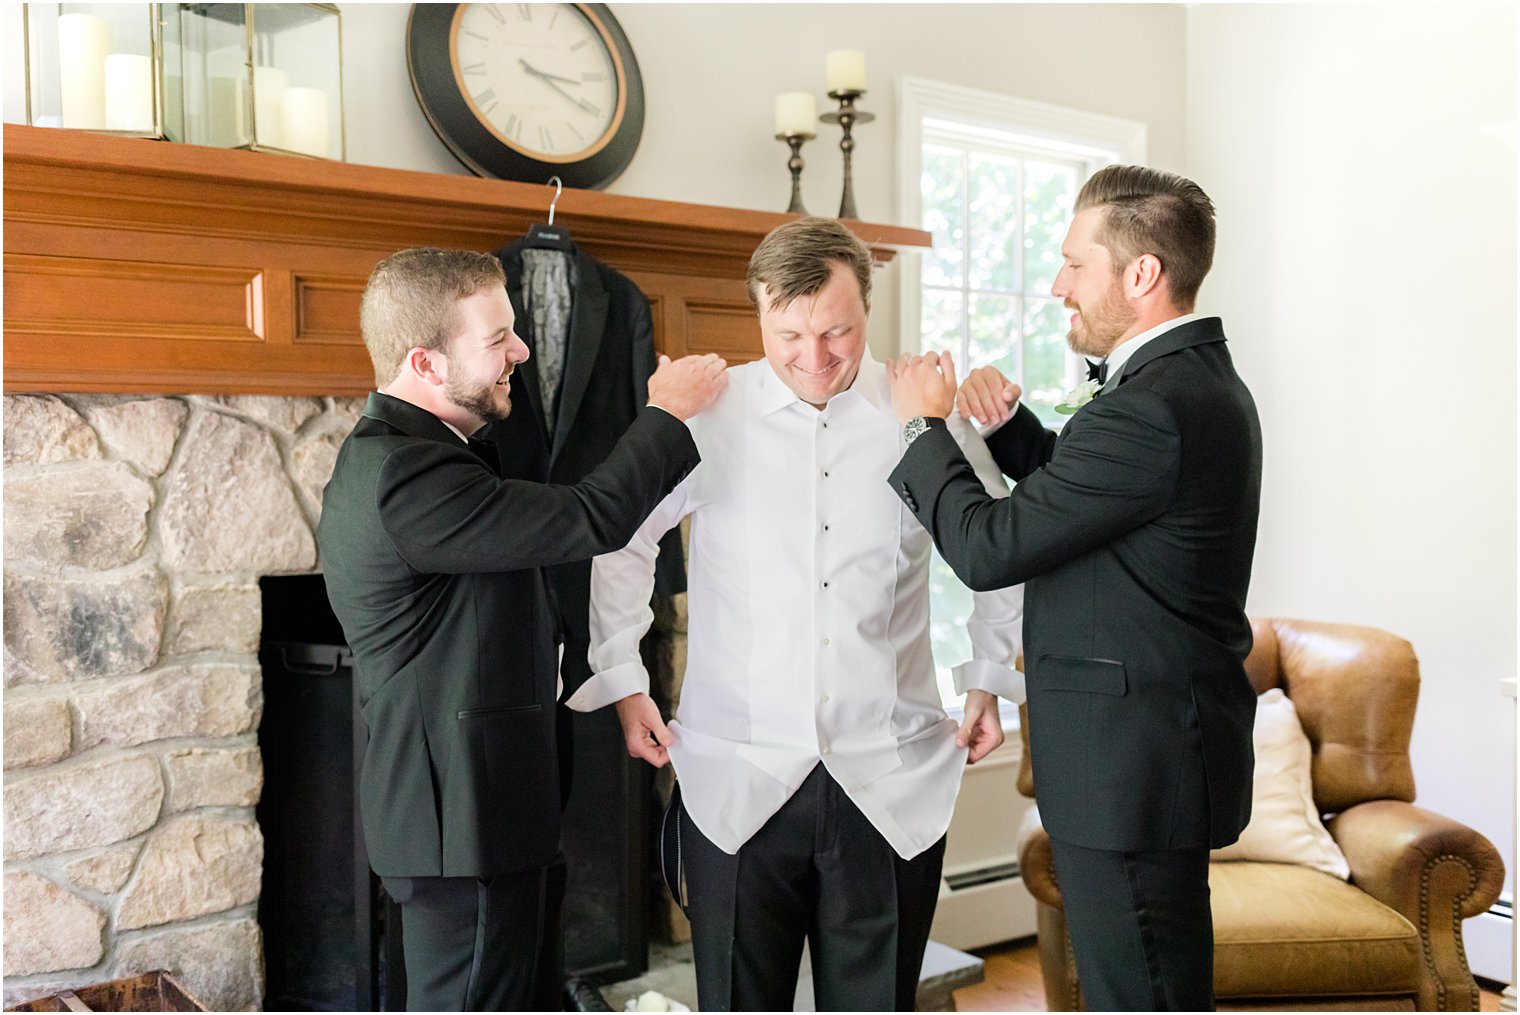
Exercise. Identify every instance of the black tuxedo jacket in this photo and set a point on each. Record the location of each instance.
(433, 567)
(609, 355)
(1134, 531)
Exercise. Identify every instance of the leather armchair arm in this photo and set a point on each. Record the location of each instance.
(1037, 866)
(1435, 872)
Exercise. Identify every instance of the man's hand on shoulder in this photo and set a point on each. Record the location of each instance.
(644, 731)
(987, 396)
(981, 730)
(922, 385)
(686, 386)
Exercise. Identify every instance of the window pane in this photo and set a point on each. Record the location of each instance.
(1046, 379)
(994, 222)
(940, 327)
(949, 610)
(994, 334)
(1049, 192)
(944, 195)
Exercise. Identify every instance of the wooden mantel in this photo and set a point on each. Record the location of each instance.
(146, 267)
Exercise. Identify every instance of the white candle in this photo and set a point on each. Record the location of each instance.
(129, 92)
(796, 113)
(303, 121)
(269, 84)
(226, 124)
(846, 70)
(83, 42)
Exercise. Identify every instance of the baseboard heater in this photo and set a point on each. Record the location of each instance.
(982, 876)
(1489, 939)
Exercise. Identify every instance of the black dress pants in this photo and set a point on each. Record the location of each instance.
(471, 944)
(1141, 928)
(817, 871)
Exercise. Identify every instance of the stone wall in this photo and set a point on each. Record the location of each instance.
(136, 530)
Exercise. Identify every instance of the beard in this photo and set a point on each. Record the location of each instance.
(1101, 326)
(479, 400)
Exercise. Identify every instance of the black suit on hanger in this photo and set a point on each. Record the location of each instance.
(1133, 531)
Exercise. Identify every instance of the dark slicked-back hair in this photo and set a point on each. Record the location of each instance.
(412, 300)
(1151, 211)
(798, 258)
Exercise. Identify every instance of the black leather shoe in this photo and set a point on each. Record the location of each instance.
(582, 995)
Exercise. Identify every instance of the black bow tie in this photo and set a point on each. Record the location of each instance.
(1097, 371)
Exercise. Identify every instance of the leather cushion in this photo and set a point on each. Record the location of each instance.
(1286, 931)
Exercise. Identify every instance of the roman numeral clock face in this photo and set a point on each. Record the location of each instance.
(527, 91)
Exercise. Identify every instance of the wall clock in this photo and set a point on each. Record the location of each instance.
(529, 91)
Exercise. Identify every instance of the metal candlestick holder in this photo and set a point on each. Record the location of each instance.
(847, 116)
(795, 140)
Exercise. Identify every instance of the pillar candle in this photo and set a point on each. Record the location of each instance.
(846, 70)
(129, 92)
(83, 42)
(796, 113)
(269, 84)
(303, 121)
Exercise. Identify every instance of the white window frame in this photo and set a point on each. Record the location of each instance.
(1093, 139)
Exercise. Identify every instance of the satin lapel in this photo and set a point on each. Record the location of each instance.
(588, 320)
(524, 390)
(1200, 332)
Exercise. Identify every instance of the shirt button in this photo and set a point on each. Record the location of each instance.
(825, 644)
(824, 698)
(824, 584)
(825, 426)
(825, 473)
(825, 526)
(825, 750)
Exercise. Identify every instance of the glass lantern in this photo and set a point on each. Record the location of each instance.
(106, 67)
(266, 77)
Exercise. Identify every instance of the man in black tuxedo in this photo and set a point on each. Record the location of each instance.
(432, 563)
(1134, 530)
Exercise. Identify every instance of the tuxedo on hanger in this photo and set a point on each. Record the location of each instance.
(604, 383)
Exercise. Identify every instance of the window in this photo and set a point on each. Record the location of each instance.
(994, 179)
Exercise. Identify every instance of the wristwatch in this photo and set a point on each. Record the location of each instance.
(915, 428)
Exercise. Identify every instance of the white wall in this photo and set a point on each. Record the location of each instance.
(1366, 275)
(712, 72)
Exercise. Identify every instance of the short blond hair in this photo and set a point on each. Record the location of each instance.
(797, 259)
(412, 301)
(1151, 211)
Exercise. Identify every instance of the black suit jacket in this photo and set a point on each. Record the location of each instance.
(609, 355)
(433, 567)
(1134, 530)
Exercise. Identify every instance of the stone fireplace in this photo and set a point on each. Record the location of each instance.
(136, 530)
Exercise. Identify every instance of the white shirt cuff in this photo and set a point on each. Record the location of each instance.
(610, 686)
(984, 675)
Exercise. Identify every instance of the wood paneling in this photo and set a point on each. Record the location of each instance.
(140, 266)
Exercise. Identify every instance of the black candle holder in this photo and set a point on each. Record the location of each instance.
(847, 116)
(795, 140)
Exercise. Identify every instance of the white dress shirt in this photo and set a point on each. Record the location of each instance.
(809, 616)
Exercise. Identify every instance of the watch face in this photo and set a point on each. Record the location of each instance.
(529, 91)
(541, 77)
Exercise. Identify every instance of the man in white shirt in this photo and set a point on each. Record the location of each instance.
(817, 768)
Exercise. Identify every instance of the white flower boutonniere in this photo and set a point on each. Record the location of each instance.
(1078, 397)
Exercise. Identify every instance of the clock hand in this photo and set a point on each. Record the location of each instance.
(547, 79)
(546, 76)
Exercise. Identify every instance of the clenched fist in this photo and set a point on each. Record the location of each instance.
(987, 396)
(922, 385)
(686, 386)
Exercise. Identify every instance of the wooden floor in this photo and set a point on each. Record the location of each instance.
(1013, 982)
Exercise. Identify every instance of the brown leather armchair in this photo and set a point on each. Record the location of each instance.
(1293, 938)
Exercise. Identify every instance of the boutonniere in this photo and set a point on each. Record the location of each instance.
(1078, 397)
